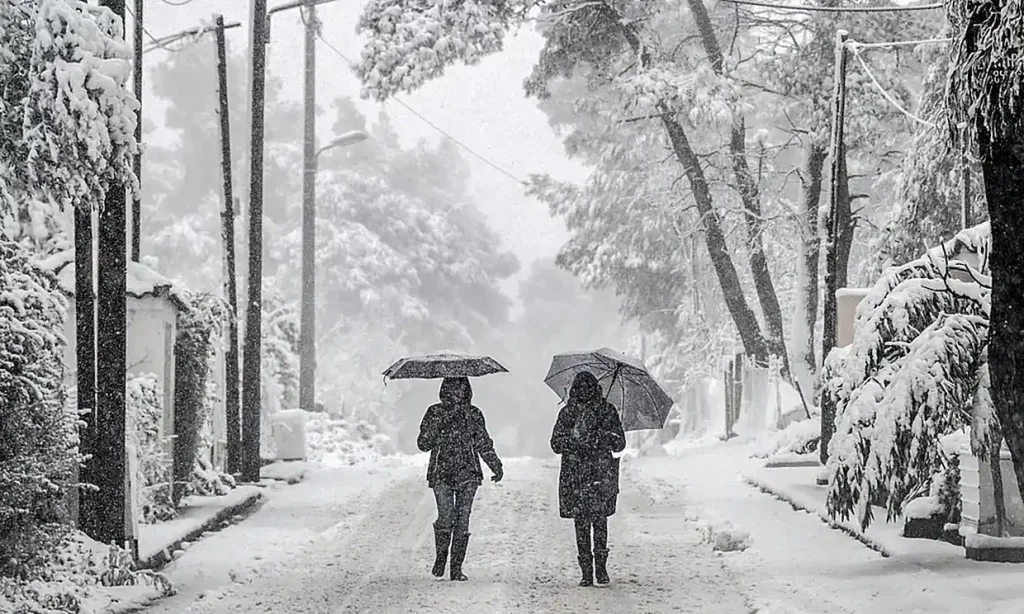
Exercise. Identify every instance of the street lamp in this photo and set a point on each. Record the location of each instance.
(349, 138)
(307, 317)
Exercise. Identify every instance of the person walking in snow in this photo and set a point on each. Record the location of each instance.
(587, 431)
(455, 434)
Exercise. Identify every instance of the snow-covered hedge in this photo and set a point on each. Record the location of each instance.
(199, 326)
(911, 376)
(38, 438)
(152, 471)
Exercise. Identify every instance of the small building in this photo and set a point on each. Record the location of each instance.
(152, 310)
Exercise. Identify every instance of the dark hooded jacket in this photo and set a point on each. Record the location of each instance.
(455, 434)
(586, 433)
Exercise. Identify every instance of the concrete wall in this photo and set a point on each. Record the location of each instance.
(847, 300)
(977, 495)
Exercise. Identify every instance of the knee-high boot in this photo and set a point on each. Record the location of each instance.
(459, 545)
(585, 555)
(601, 552)
(442, 541)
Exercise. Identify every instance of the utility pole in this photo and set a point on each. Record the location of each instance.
(137, 160)
(109, 458)
(85, 358)
(251, 352)
(837, 158)
(228, 235)
(307, 320)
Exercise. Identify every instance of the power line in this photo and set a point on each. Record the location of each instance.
(838, 9)
(440, 130)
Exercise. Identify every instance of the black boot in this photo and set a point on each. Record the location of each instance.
(442, 541)
(601, 550)
(587, 569)
(459, 545)
(585, 556)
(601, 565)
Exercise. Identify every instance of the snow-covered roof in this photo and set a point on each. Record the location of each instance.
(142, 281)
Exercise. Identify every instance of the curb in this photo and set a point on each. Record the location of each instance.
(781, 496)
(244, 507)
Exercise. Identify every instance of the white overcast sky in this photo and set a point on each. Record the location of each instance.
(482, 106)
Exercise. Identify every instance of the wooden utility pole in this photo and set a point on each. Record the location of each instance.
(307, 318)
(837, 154)
(228, 235)
(251, 352)
(109, 455)
(137, 160)
(85, 359)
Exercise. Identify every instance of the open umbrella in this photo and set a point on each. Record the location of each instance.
(625, 381)
(443, 364)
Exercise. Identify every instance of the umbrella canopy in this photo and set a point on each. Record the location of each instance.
(443, 364)
(624, 380)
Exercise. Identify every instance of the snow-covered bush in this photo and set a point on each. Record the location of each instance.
(38, 436)
(198, 327)
(911, 376)
(67, 570)
(153, 474)
(337, 441)
(800, 437)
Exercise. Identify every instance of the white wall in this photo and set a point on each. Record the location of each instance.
(150, 349)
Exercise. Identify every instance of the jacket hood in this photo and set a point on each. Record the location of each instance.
(455, 391)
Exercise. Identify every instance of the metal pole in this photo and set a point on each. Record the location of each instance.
(231, 399)
(251, 352)
(836, 155)
(307, 324)
(110, 455)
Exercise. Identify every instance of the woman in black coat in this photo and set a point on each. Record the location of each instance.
(455, 434)
(586, 433)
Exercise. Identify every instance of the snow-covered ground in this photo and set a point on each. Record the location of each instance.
(796, 564)
(690, 536)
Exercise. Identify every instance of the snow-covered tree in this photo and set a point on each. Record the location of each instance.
(911, 376)
(986, 94)
(68, 119)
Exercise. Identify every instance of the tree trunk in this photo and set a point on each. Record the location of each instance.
(811, 252)
(754, 343)
(750, 197)
(998, 496)
(753, 339)
(1002, 166)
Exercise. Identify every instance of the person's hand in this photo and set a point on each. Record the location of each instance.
(498, 474)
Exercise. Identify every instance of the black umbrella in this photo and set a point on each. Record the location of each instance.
(443, 364)
(625, 381)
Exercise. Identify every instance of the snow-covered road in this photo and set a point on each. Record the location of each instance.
(521, 556)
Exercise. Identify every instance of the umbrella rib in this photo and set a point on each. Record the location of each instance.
(575, 366)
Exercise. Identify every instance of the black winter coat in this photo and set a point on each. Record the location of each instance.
(588, 483)
(457, 439)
